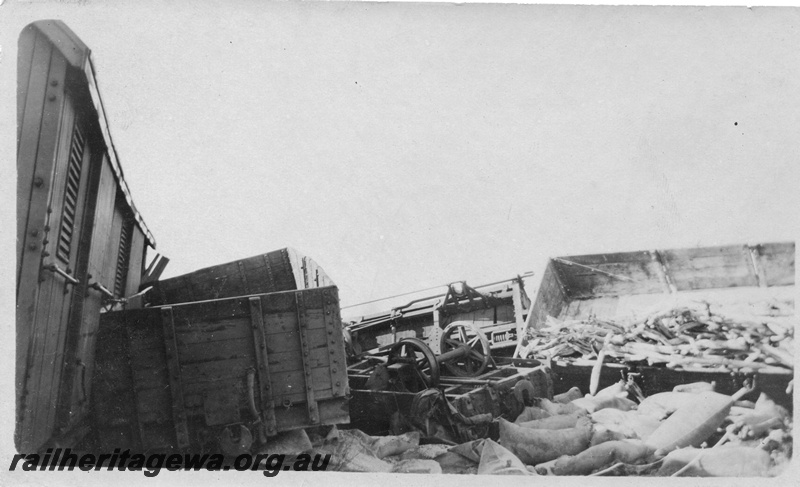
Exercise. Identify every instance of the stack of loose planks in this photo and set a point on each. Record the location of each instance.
(693, 335)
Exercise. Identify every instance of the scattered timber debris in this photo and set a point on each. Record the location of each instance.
(695, 335)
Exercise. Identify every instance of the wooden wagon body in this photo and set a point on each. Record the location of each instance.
(80, 239)
(280, 270)
(498, 309)
(611, 286)
(176, 377)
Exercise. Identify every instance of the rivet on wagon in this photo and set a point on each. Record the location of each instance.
(54, 82)
(334, 369)
(32, 246)
(52, 98)
(338, 383)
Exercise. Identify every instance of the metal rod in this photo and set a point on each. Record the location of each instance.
(102, 289)
(61, 272)
(593, 269)
(527, 274)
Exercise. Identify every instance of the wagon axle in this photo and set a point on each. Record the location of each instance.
(465, 353)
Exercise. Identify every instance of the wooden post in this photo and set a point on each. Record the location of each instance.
(302, 324)
(174, 369)
(262, 362)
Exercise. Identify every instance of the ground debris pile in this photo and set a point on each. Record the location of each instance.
(689, 431)
(682, 334)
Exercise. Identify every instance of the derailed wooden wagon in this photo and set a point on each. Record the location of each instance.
(499, 309)
(220, 375)
(280, 270)
(603, 290)
(81, 243)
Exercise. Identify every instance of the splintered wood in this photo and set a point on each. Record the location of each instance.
(751, 333)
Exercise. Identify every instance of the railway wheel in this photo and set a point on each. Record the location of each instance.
(465, 335)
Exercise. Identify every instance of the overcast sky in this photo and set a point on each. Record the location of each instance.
(406, 146)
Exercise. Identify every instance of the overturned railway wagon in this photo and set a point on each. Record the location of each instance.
(81, 243)
(626, 287)
(280, 270)
(499, 309)
(220, 375)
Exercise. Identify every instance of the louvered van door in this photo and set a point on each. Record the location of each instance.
(60, 281)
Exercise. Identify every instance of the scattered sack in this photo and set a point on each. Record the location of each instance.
(568, 396)
(288, 443)
(692, 423)
(695, 387)
(601, 434)
(531, 413)
(723, 461)
(601, 456)
(596, 403)
(629, 424)
(496, 460)
(417, 466)
(384, 446)
(351, 451)
(555, 408)
(663, 404)
(558, 422)
(534, 446)
(451, 462)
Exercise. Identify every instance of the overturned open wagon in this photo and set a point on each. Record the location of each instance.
(715, 314)
(220, 375)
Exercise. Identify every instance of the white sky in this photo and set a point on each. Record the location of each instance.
(406, 146)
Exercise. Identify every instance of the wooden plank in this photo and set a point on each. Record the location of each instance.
(31, 125)
(777, 260)
(218, 351)
(114, 400)
(265, 273)
(135, 262)
(174, 368)
(610, 278)
(190, 315)
(302, 320)
(112, 244)
(262, 366)
(31, 207)
(710, 267)
(758, 269)
(336, 347)
(25, 49)
(52, 305)
(103, 216)
(293, 361)
(550, 299)
(235, 369)
(212, 332)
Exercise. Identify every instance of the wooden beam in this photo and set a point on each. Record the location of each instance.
(262, 362)
(302, 325)
(176, 388)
